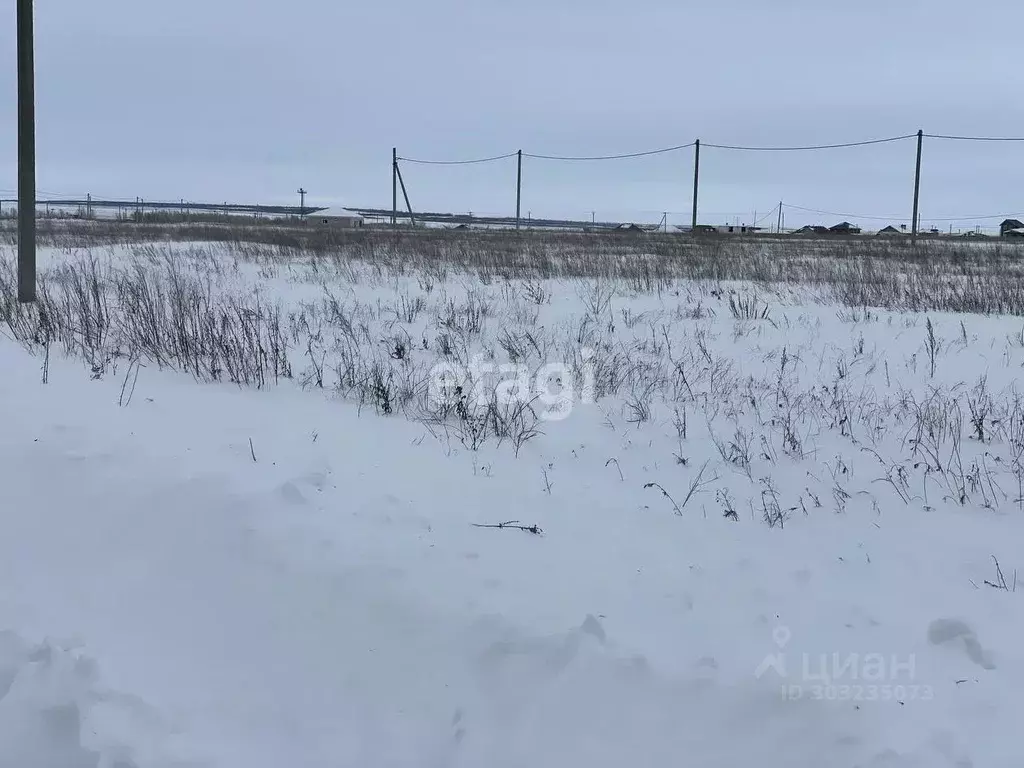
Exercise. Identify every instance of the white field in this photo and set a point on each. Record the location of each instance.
(787, 539)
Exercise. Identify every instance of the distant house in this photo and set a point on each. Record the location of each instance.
(845, 228)
(736, 229)
(812, 229)
(336, 218)
(629, 228)
(1009, 225)
(1019, 232)
(890, 230)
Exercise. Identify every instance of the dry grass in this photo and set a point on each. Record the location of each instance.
(655, 329)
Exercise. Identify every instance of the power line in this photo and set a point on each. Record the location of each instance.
(811, 147)
(666, 150)
(770, 213)
(977, 218)
(843, 215)
(660, 211)
(875, 217)
(973, 138)
(458, 162)
(647, 153)
(731, 147)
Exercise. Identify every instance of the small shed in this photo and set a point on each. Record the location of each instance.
(336, 218)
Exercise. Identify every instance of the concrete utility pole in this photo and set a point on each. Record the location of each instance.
(519, 186)
(302, 201)
(917, 189)
(405, 194)
(26, 156)
(696, 184)
(394, 187)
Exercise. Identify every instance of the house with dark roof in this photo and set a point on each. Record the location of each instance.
(845, 228)
(889, 231)
(1009, 225)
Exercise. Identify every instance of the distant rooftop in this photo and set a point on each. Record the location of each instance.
(337, 212)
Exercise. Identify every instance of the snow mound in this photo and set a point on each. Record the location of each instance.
(54, 714)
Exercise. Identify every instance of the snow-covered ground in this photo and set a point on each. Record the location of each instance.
(754, 527)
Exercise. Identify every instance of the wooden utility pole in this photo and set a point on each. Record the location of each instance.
(696, 184)
(302, 201)
(917, 189)
(26, 155)
(778, 229)
(394, 187)
(519, 185)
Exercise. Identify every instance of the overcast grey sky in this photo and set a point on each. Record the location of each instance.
(246, 100)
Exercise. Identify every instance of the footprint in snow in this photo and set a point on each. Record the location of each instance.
(956, 633)
(291, 493)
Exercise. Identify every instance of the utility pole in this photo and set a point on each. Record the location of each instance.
(302, 201)
(519, 185)
(778, 229)
(917, 188)
(405, 194)
(696, 184)
(26, 155)
(394, 187)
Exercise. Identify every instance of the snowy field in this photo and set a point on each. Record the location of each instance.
(255, 504)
